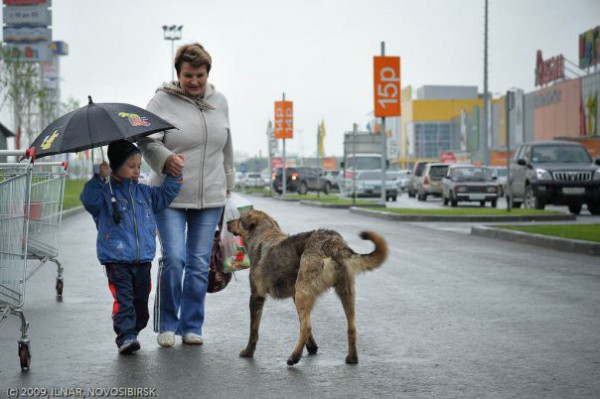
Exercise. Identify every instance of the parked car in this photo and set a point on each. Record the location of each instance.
(430, 182)
(368, 184)
(401, 179)
(332, 176)
(555, 172)
(301, 179)
(470, 183)
(413, 179)
(500, 172)
(255, 180)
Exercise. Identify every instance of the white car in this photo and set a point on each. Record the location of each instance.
(255, 180)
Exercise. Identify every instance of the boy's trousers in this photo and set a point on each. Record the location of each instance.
(130, 285)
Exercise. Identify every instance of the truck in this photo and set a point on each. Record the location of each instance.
(362, 151)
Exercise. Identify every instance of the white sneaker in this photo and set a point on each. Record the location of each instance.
(166, 339)
(193, 339)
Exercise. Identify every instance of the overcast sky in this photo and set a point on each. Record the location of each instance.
(318, 52)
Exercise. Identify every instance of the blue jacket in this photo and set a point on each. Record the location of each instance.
(134, 239)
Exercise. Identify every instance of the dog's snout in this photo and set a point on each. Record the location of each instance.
(232, 226)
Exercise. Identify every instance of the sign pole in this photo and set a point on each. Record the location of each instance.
(383, 149)
(283, 178)
(509, 106)
(318, 161)
(354, 132)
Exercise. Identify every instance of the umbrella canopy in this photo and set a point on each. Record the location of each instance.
(96, 125)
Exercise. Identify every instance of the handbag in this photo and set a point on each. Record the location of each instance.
(217, 277)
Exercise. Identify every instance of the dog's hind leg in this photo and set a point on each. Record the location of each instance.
(345, 290)
(256, 307)
(304, 301)
(311, 344)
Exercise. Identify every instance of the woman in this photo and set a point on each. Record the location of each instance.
(187, 227)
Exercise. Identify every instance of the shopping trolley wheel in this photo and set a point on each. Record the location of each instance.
(59, 286)
(24, 356)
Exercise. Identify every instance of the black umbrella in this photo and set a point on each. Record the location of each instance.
(96, 125)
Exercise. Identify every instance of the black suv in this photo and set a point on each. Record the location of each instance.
(301, 179)
(555, 172)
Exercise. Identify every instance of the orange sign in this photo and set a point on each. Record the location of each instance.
(284, 120)
(386, 72)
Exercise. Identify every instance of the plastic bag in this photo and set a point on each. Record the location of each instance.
(234, 254)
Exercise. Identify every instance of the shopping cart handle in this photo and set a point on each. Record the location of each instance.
(30, 153)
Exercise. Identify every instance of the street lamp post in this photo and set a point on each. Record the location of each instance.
(172, 33)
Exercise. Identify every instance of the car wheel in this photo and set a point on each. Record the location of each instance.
(531, 201)
(494, 203)
(424, 196)
(575, 209)
(302, 188)
(394, 198)
(454, 203)
(445, 201)
(594, 208)
(482, 203)
(411, 193)
(327, 188)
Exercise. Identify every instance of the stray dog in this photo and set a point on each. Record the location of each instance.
(302, 266)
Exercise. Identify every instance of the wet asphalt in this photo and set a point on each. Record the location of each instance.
(449, 315)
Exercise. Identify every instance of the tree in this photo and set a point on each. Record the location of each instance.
(22, 91)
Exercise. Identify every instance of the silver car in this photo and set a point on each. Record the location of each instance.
(368, 184)
(469, 183)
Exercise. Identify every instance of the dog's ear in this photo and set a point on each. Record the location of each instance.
(249, 222)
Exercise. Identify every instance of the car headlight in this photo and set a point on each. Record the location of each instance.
(492, 189)
(597, 174)
(461, 189)
(543, 174)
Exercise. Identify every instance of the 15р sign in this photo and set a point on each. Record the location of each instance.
(284, 120)
(387, 86)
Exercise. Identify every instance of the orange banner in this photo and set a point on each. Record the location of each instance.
(284, 120)
(386, 72)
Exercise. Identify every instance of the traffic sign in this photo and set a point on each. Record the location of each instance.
(386, 71)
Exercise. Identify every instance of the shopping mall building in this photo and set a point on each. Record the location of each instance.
(448, 120)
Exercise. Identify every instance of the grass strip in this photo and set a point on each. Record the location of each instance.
(584, 232)
(467, 211)
(73, 189)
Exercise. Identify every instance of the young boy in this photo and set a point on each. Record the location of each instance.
(126, 244)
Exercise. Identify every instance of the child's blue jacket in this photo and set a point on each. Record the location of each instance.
(133, 240)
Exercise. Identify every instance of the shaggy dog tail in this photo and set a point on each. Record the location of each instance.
(365, 262)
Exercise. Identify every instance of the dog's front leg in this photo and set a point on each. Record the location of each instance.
(256, 307)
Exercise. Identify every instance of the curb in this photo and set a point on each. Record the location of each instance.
(455, 218)
(73, 211)
(561, 244)
(334, 206)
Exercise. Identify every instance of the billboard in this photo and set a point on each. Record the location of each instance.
(26, 34)
(30, 52)
(589, 48)
(27, 15)
(386, 72)
(284, 120)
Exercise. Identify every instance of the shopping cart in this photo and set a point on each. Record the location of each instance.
(30, 217)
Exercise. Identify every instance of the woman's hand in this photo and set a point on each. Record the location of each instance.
(174, 165)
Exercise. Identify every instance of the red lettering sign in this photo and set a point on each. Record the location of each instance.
(550, 70)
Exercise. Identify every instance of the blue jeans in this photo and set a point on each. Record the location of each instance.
(183, 274)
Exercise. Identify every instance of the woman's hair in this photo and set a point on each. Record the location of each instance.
(193, 53)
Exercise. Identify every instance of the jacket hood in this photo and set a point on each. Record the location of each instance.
(175, 89)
